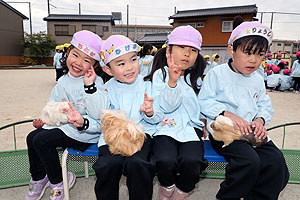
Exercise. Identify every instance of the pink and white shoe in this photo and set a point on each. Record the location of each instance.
(165, 193)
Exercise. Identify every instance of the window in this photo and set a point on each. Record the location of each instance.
(287, 44)
(191, 24)
(116, 30)
(227, 26)
(105, 28)
(288, 52)
(200, 24)
(64, 30)
(91, 28)
(279, 44)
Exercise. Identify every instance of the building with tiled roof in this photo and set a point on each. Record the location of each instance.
(61, 27)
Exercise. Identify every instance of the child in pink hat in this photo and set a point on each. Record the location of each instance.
(127, 91)
(269, 59)
(176, 79)
(295, 73)
(79, 132)
(235, 90)
(278, 59)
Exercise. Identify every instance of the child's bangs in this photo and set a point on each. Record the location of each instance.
(251, 44)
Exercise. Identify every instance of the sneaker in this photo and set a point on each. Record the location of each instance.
(179, 195)
(57, 190)
(37, 189)
(164, 193)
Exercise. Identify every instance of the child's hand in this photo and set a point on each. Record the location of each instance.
(204, 128)
(174, 71)
(239, 123)
(38, 123)
(89, 76)
(260, 131)
(74, 116)
(147, 106)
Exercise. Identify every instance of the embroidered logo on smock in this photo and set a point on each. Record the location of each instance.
(168, 123)
(255, 97)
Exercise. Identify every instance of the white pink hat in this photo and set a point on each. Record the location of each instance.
(116, 46)
(251, 28)
(185, 35)
(88, 42)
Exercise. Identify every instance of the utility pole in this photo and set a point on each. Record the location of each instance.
(271, 20)
(30, 20)
(48, 7)
(79, 9)
(127, 19)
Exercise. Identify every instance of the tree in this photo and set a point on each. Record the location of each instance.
(38, 44)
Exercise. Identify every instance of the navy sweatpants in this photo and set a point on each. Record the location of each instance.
(179, 163)
(42, 153)
(139, 170)
(252, 173)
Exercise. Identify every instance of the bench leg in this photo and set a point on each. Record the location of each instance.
(86, 167)
(65, 174)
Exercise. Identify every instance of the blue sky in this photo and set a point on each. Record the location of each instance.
(156, 12)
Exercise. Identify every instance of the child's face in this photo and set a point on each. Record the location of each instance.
(245, 62)
(185, 56)
(78, 62)
(124, 68)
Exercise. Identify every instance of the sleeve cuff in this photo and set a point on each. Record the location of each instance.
(85, 125)
(90, 89)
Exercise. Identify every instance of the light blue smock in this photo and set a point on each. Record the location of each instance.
(180, 107)
(286, 83)
(269, 62)
(71, 89)
(56, 62)
(295, 69)
(128, 98)
(274, 80)
(145, 64)
(207, 68)
(243, 95)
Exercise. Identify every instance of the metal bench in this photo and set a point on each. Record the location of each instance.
(209, 154)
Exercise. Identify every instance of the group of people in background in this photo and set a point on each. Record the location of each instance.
(169, 97)
(278, 76)
(59, 50)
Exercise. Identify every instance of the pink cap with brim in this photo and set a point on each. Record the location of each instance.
(269, 54)
(185, 35)
(116, 46)
(298, 54)
(251, 28)
(286, 72)
(88, 42)
(283, 62)
(276, 69)
(279, 54)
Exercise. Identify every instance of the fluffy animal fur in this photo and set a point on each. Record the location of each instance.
(123, 136)
(53, 114)
(222, 130)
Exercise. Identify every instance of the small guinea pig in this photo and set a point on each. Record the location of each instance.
(123, 136)
(222, 130)
(53, 113)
